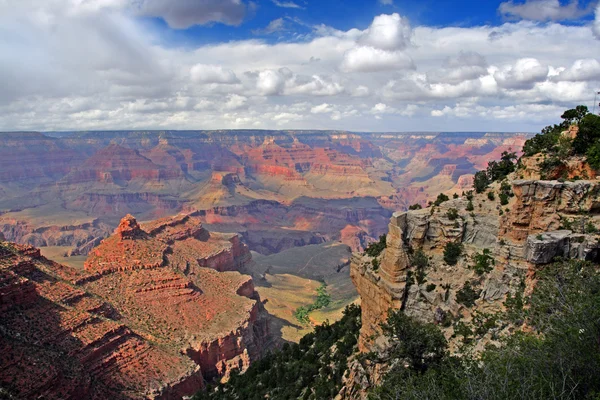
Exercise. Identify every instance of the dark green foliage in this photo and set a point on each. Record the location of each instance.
(420, 261)
(323, 300)
(470, 206)
(545, 141)
(593, 155)
(575, 115)
(498, 170)
(470, 195)
(559, 360)
(440, 199)
(308, 370)
(375, 263)
(419, 345)
(588, 135)
(480, 182)
(374, 249)
(452, 214)
(467, 295)
(491, 196)
(431, 287)
(590, 227)
(451, 253)
(503, 199)
(483, 262)
(455, 196)
(415, 206)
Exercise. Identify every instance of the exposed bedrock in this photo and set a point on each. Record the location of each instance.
(151, 316)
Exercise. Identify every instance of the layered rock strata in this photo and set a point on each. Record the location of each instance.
(543, 220)
(151, 316)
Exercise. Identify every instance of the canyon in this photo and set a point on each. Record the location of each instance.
(542, 220)
(69, 190)
(158, 310)
(179, 297)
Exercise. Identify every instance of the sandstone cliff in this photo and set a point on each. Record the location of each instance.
(159, 309)
(541, 220)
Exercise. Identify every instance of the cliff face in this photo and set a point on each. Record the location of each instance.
(151, 316)
(542, 220)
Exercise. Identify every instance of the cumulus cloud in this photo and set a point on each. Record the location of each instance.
(544, 10)
(462, 67)
(523, 74)
(181, 14)
(387, 32)
(581, 70)
(386, 2)
(322, 109)
(270, 82)
(212, 74)
(94, 65)
(370, 59)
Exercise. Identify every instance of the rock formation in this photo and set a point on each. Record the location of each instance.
(542, 220)
(152, 315)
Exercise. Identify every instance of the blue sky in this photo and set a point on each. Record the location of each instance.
(371, 65)
(345, 15)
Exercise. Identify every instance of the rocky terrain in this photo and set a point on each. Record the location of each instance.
(70, 191)
(159, 309)
(503, 246)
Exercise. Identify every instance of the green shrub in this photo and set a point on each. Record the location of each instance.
(440, 199)
(491, 196)
(590, 227)
(470, 206)
(484, 262)
(452, 214)
(431, 287)
(375, 263)
(374, 249)
(467, 295)
(415, 206)
(452, 252)
(480, 182)
(503, 198)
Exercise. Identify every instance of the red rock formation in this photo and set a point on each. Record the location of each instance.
(115, 164)
(145, 319)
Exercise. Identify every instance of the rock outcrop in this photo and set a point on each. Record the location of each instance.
(152, 315)
(542, 220)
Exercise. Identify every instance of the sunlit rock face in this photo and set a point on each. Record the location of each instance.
(159, 309)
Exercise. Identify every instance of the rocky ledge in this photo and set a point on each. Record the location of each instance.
(151, 316)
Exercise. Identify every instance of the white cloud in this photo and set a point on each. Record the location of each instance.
(286, 4)
(212, 74)
(277, 25)
(181, 14)
(322, 109)
(581, 70)
(459, 68)
(543, 10)
(524, 73)
(235, 102)
(386, 2)
(270, 82)
(387, 32)
(370, 59)
(92, 65)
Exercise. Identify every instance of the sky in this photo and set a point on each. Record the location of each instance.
(358, 65)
